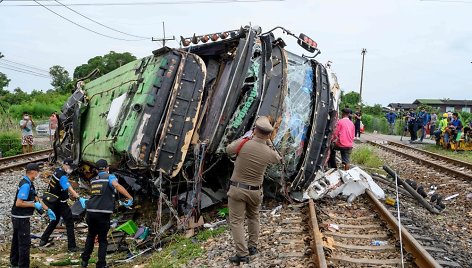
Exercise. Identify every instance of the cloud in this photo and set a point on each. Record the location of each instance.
(416, 49)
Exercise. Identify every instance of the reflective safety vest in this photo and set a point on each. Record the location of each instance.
(18, 212)
(55, 187)
(103, 196)
(443, 124)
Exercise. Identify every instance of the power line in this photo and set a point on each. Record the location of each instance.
(3, 65)
(25, 72)
(26, 65)
(83, 27)
(448, 1)
(146, 3)
(24, 69)
(82, 15)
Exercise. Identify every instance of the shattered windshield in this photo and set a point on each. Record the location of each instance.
(290, 139)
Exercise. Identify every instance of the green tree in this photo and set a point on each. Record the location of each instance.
(4, 81)
(60, 78)
(350, 99)
(105, 64)
(374, 110)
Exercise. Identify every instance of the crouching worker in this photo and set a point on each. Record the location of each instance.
(26, 201)
(245, 192)
(56, 198)
(99, 209)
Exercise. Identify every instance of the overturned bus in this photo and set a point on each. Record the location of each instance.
(162, 122)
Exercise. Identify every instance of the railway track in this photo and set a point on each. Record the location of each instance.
(423, 232)
(452, 166)
(16, 161)
(349, 236)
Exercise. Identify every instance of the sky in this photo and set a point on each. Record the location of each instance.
(415, 49)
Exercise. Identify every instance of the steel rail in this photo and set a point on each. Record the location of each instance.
(421, 257)
(318, 254)
(424, 161)
(8, 165)
(433, 155)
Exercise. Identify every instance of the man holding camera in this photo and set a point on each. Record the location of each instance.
(26, 125)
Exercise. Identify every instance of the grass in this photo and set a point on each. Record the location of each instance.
(465, 156)
(10, 143)
(365, 156)
(182, 250)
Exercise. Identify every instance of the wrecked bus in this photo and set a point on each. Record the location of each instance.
(162, 122)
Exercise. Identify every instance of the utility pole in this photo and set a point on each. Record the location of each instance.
(164, 38)
(362, 76)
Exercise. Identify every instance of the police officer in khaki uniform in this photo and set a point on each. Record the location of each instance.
(254, 154)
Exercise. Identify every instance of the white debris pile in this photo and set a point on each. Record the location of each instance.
(350, 183)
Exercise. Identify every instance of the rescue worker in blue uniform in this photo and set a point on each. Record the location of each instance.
(412, 125)
(100, 206)
(26, 201)
(56, 198)
(422, 120)
(391, 117)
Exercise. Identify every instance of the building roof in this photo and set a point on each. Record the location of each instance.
(402, 105)
(443, 102)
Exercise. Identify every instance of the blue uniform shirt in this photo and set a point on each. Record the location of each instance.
(391, 117)
(457, 123)
(64, 182)
(24, 189)
(111, 179)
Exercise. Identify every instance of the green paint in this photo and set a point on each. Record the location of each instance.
(245, 108)
(249, 98)
(94, 121)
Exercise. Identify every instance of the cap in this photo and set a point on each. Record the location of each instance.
(101, 164)
(32, 166)
(263, 124)
(445, 115)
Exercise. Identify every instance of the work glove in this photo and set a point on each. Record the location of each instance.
(128, 203)
(82, 201)
(38, 206)
(51, 215)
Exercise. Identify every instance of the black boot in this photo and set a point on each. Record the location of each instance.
(252, 251)
(238, 259)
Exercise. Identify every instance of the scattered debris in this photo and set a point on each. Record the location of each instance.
(275, 210)
(128, 227)
(378, 243)
(390, 201)
(332, 227)
(351, 183)
(412, 191)
(213, 225)
(451, 197)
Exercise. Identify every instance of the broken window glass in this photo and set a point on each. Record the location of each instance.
(291, 137)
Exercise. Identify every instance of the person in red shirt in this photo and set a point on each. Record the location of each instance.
(52, 126)
(343, 139)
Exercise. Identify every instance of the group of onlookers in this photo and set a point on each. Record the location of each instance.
(449, 126)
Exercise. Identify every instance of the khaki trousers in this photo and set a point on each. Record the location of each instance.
(244, 203)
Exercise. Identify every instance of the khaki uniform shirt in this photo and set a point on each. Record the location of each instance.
(252, 160)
